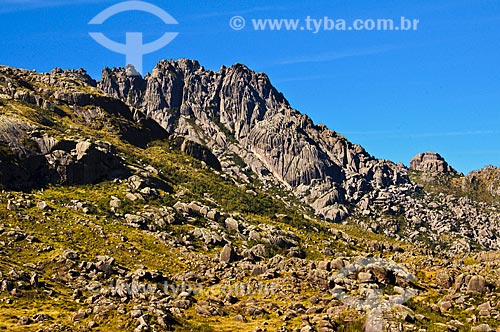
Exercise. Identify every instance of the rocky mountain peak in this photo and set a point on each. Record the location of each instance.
(185, 65)
(431, 162)
(239, 115)
(234, 119)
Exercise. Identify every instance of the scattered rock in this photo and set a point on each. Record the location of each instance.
(24, 321)
(71, 255)
(10, 205)
(482, 328)
(476, 285)
(42, 205)
(240, 318)
(115, 203)
(443, 279)
(232, 225)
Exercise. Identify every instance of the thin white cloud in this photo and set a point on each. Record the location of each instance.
(242, 12)
(301, 78)
(11, 6)
(458, 133)
(400, 133)
(329, 57)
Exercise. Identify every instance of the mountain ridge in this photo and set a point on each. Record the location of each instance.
(125, 224)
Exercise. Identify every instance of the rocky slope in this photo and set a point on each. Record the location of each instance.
(191, 200)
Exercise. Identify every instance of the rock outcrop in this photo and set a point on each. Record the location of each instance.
(486, 179)
(484, 183)
(431, 162)
(34, 152)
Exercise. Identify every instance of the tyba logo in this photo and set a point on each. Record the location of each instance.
(134, 48)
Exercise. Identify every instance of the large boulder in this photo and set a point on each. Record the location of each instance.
(86, 163)
(477, 285)
(227, 255)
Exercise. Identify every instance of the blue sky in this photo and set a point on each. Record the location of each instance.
(396, 93)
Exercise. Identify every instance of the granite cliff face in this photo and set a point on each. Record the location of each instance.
(238, 114)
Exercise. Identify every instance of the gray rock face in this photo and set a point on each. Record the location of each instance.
(431, 162)
(239, 115)
(116, 83)
(87, 163)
